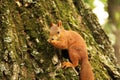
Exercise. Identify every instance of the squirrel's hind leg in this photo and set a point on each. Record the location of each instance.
(67, 64)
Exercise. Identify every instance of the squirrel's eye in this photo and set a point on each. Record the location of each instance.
(52, 39)
(58, 32)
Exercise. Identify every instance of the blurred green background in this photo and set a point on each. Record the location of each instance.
(108, 13)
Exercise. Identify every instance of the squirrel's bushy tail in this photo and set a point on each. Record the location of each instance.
(86, 71)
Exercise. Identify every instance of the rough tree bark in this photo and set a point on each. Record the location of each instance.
(25, 53)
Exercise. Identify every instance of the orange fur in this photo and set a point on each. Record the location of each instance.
(64, 39)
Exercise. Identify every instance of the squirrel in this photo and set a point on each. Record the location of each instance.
(76, 46)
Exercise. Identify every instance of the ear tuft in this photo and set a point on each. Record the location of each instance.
(59, 23)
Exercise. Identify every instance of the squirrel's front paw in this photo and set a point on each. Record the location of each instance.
(53, 41)
(49, 40)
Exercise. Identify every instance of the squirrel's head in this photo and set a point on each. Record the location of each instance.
(55, 30)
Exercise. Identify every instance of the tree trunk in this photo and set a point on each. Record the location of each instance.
(25, 53)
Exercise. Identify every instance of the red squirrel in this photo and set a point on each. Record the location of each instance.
(76, 46)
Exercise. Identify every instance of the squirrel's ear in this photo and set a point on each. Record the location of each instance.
(51, 24)
(59, 23)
